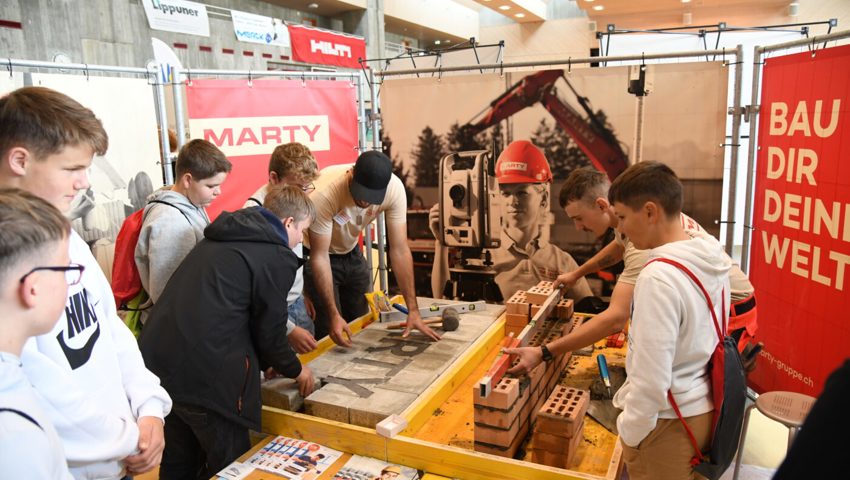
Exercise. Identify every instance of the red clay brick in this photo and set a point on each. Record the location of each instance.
(565, 309)
(563, 412)
(517, 304)
(496, 436)
(516, 319)
(539, 293)
(508, 452)
(503, 396)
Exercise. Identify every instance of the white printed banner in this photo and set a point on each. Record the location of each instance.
(177, 16)
(252, 28)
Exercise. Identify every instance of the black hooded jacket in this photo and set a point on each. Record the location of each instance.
(222, 317)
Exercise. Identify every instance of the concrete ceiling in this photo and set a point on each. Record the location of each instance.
(652, 7)
(325, 8)
(520, 11)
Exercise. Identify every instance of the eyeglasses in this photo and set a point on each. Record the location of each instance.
(308, 188)
(73, 272)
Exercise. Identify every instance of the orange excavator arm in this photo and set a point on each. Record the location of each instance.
(591, 135)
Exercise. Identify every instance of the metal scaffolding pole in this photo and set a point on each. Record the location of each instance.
(736, 143)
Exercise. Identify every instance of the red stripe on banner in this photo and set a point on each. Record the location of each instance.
(180, 45)
(11, 24)
(247, 123)
(801, 225)
(228, 51)
(284, 57)
(311, 45)
(267, 55)
(205, 48)
(247, 53)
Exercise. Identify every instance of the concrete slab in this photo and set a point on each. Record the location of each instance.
(367, 412)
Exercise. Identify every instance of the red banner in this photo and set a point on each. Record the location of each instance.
(801, 236)
(311, 45)
(247, 122)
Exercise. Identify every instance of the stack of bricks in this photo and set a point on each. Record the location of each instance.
(517, 313)
(503, 419)
(558, 431)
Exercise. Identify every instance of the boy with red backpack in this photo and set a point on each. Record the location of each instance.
(678, 310)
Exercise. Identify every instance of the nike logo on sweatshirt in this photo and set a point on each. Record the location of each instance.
(81, 317)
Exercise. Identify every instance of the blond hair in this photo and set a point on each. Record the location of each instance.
(296, 160)
(286, 201)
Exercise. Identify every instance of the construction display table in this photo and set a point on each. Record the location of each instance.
(432, 390)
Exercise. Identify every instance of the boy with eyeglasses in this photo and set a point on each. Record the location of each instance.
(106, 406)
(293, 164)
(34, 278)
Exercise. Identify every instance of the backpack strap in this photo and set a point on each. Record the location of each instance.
(721, 332)
(259, 203)
(22, 414)
(171, 205)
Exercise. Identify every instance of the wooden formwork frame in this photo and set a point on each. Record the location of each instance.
(404, 449)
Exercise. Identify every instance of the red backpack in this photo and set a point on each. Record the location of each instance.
(728, 390)
(126, 282)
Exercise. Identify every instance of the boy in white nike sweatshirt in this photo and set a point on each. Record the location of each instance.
(106, 406)
(34, 278)
(672, 333)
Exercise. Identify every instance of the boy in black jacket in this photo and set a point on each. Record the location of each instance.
(220, 320)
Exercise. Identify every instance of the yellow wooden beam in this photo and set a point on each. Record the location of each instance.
(418, 413)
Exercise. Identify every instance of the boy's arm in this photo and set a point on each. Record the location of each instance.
(401, 261)
(268, 320)
(320, 266)
(170, 239)
(88, 434)
(652, 346)
(609, 255)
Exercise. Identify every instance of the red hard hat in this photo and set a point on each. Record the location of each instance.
(522, 162)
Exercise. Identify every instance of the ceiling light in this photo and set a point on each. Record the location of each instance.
(519, 15)
(448, 41)
(313, 5)
(686, 1)
(598, 8)
(588, 1)
(436, 42)
(504, 7)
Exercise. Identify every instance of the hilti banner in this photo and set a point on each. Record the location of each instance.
(247, 122)
(311, 45)
(801, 236)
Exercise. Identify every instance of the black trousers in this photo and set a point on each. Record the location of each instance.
(199, 443)
(351, 281)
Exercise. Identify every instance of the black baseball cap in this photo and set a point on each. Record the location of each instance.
(372, 173)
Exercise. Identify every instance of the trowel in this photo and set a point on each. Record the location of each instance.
(601, 407)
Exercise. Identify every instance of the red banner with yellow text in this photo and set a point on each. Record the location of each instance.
(801, 219)
(312, 45)
(247, 121)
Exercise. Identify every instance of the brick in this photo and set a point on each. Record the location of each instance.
(513, 330)
(547, 441)
(516, 320)
(539, 293)
(497, 436)
(517, 304)
(534, 310)
(282, 393)
(564, 309)
(545, 457)
(563, 412)
(495, 418)
(330, 402)
(509, 451)
(503, 396)
(367, 412)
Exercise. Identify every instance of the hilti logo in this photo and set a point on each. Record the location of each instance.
(330, 48)
(259, 135)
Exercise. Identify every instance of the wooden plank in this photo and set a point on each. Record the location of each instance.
(435, 395)
(469, 465)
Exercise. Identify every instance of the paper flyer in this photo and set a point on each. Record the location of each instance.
(293, 458)
(366, 468)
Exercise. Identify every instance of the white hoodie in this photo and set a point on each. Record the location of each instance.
(672, 336)
(90, 373)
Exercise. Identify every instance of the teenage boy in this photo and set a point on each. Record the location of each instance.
(337, 276)
(672, 333)
(170, 231)
(221, 321)
(584, 197)
(293, 164)
(34, 278)
(107, 407)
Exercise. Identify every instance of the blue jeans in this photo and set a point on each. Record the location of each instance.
(298, 315)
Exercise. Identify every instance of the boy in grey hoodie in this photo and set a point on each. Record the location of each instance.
(174, 218)
(672, 334)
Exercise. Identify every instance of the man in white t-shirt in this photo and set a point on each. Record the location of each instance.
(584, 197)
(337, 276)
